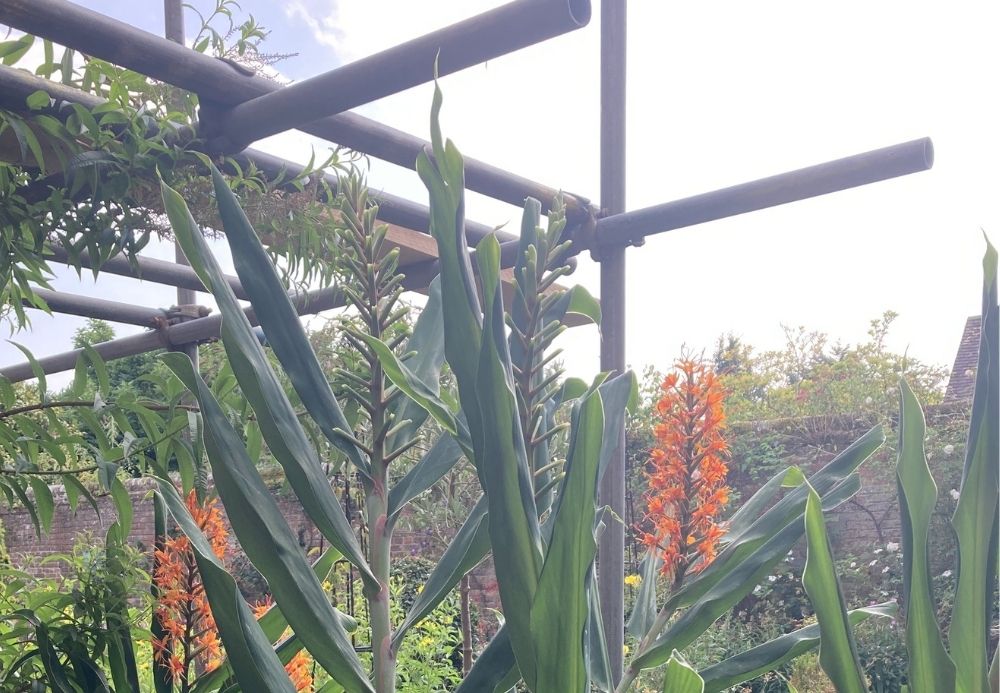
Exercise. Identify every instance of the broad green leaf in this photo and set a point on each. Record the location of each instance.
(469, 546)
(424, 357)
(772, 654)
(162, 681)
(435, 463)
(930, 667)
(838, 654)
(644, 611)
(284, 331)
(561, 606)
(503, 469)
(492, 670)
(754, 506)
(680, 677)
(253, 660)
(735, 583)
(285, 437)
(412, 386)
(268, 541)
(56, 672)
(975, 518)
(598, 660)
(788, 510)
(274, 624)
(576, 301)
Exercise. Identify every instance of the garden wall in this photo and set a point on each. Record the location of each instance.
(28, 550)
(871, 519)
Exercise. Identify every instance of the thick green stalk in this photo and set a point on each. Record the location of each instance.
(380, 545)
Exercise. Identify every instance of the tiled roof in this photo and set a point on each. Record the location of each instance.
(963, 374)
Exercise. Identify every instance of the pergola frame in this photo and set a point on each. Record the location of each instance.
(237, 107)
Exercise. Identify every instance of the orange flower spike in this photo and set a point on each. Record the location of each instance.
(686, 471)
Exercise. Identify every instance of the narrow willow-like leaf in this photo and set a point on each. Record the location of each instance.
(43, 502)
(838, 654)
(254, 662)
(975, 518)
(268, 541)
(284, 331)
(280, 426)
(680, 677)
(559, 612)
(930, 668)
(772, 654)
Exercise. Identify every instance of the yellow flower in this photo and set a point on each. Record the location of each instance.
(625, 650)
(633, 580)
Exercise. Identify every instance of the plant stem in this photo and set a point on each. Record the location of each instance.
(631, 671)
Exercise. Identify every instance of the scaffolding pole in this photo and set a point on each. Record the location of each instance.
(489, 35)
(611, 549)
(97, 308)
(222, 84)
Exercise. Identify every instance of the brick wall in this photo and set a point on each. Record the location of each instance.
(27, 550)
(871, 519)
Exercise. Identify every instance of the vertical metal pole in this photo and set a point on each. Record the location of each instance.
(611, 552)
(173, 24)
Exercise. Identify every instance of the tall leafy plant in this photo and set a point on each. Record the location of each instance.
(963, 663)
(504, 414)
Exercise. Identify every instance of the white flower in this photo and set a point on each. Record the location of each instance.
(872, 564)
(854, 564)
(954, 494)
(878, 551)
(946, 574)
(758, 590)
(869, 400)
(885, 570)
(948, 449)
(771, 578)
(892, 547)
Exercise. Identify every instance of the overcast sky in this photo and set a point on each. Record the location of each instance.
(719, 93)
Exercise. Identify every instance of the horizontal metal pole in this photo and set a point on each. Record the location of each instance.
(17, 85)
(841, 174)
(98, 308)
(418, 277)
(149, 269)
(224, 84)
(489, 35)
